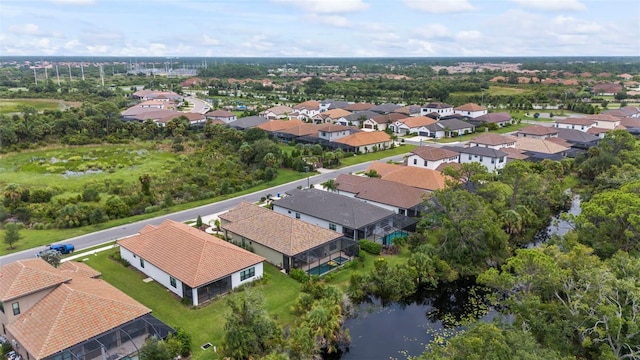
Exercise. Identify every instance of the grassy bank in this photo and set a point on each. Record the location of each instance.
(9, 106)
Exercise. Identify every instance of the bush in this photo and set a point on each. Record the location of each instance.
(151, 209)
(299, 275)
(371, 247)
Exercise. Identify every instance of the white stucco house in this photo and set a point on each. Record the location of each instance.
(470, 110)
(332, 132)
(431, 157)
(493, 141)
(190, 263)
(492, 159)
(439, 108)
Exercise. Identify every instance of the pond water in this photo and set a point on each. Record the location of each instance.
(398, 330)
(557, 226)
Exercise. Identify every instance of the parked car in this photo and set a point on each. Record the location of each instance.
(62, 248)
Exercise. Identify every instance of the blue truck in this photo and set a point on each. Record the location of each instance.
(62, 248)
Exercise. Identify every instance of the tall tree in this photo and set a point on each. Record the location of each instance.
(11, 234)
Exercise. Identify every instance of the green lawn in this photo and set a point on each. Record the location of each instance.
(8, 106)
(205, 323)
(357, 159)
(468, 137)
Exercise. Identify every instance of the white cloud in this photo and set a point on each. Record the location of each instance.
(470, 35)
(440, 6)
(433, 31)
(551, 5)
(259, 43)
(71, 45)
(25, 29)
(572, 25)
(333, 20)
(328, 6)
(73, 2)
(209, 41)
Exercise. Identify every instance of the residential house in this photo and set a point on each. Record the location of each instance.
(359, 107)
(357, 118)
(582, 124)
(537, 132)
(493, 141)
(284, 241)
(223, 115)
(399, 198)
(381, 122)
(194, 119)
(385, 108)
(604, 121)
(624, 112)
(412, 125)
(292, 133)
(273, 126)
(447, 128)
(306, 109)
(142, 114)
(501, 119)
(439, 108)
(248, 122)
(329, 104)
(69, 313)
(331, 116)
(578, 140)
(167, 96)
(418, 177)
(277, 112)
(492, 159)
(470, 110)
(364, 142)
(609, 89)
(333, 132)
(190, 263)
(538, 149)
(431, 157)
(354, 218)
(410, 110)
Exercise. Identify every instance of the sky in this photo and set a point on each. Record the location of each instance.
(320, 28)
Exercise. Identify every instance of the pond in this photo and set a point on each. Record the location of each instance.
(558, 226)
(398, 330)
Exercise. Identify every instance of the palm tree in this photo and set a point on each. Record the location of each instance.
(330, 185)
(512, 222)
(372, 174)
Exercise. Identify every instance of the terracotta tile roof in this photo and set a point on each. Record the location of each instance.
(417, 121)
(359, 106)
(381, 191)
(188, 254)
(279, 232)
(515, 154)
(279, 110)
(538, 130)
(309, 104)
(539, 145)
(332, 128)
(75, 269)
(364, 138)
(278, 125)
(417, 177)
(470, 107)
(603, 117)
(220, 113)
(408, 110)
(388, 118)
(433, 153)
(72, 313)
(630, 122)
(496, 117)
(438, 105)
(25, 277)
(443, 166)
(190, 116)
(596, 130)
(493, 139)
(301, 130)
(559, 141)
(336, 113)
(576, 121)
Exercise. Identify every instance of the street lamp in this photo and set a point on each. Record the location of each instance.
(306, 169)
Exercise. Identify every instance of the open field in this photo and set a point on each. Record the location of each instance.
(504, 90)
(206, 323)
(9, 106)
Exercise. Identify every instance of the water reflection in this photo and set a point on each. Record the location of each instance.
(557, 226)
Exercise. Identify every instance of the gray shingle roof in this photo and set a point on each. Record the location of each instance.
(333, 207)
(477, 150)
(452, 124)
(385, 108)
(248, 122)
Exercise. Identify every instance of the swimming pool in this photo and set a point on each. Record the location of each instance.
(328, 266)
(388, 239)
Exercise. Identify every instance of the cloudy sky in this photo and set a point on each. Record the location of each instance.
(320, 28)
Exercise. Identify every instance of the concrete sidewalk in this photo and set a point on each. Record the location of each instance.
(89, 253)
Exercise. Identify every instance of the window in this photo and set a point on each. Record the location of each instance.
(469, 156)
(1, 307)
(415, 161)
(493, 161)
(332, 227)
(502, 159)
(172, 280)
(480, 158)
(297, 215)
(426, 163)
(246, 274)
(16, 308)
(141, 262)
(324, 133)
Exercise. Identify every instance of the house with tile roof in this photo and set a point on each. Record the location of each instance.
(331, 132)
(365, 141)
(470, 110)
(409, 110)
(447, 128)
(439, 108)
(292, 133)
(359, 107)
(578, 139)
(604, 121)
(492, 159)
(537, 132)
(330, 104)
(223, 115)
(306, 109)
(582, 124)
(501, 119)
(397, 197)
(331, 116)
(357, 118)
(539, 149)
(190, 263)
(431, 157)
(287, 242)
(411, 125)
(381, 122)
(279, 125)
(194, 119)
(624, 112)
(385, 108)
(277, 112)
(248, 122)
(418, 177)
(493, 141)
(69, 313)
(354, 218)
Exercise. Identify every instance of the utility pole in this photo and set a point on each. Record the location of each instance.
(70, 79)
(57, 75)
(82, 70)
(35, 75)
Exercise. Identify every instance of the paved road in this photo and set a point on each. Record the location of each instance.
(96, 238)
(199, 106)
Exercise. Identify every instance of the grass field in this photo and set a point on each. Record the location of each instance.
(9, 106)
(468, 137)
(398, 150)
(206, 323)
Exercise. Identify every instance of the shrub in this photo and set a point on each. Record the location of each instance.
(371, 247)
(299, 275)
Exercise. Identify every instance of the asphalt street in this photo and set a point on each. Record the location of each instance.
(100, 237)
